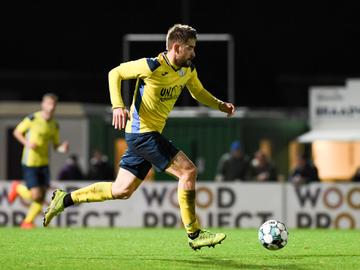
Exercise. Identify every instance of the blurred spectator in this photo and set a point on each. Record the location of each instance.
(71, 169)
(261, 168)
(356, 176)
(100, 169)
(232, 166)
(305, 171)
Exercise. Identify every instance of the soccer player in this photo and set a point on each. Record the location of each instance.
(160, 81)
(35, 132)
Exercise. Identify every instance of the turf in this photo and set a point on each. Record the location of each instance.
(168, 249)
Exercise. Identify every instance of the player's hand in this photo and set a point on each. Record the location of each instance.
(64, 147)
(31, 145)
(120, 116)
(228, 108)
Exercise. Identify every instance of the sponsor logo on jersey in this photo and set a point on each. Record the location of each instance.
(169, 93)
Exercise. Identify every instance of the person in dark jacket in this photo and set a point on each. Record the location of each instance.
(305, 171)
(262, 169)
(71, 169)
(234, 165)
(100, 167)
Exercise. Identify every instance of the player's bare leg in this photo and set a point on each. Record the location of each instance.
(183, 169)
(125, 184)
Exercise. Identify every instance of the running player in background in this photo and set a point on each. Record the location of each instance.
(160, 81)
(35, 132)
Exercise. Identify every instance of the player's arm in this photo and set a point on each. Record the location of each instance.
(126, 71)
(198, 92)
(60, 147)
(20, 130)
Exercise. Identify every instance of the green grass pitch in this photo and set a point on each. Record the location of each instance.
(69, 249)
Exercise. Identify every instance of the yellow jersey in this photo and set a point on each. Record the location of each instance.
(158, 86)
(41, 132)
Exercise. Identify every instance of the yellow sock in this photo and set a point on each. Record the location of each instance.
(34, 210)
(187, 209)
(23, 192)
(97, 192)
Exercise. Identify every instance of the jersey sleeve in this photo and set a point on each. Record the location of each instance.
(125, 71)
(24, 125)
(198, 92)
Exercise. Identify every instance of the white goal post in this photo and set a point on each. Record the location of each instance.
(128, 38)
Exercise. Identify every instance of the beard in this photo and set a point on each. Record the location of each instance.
(187, 63)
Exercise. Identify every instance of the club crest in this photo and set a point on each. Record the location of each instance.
(181, 72)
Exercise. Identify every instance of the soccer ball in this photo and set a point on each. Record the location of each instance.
(273, 234)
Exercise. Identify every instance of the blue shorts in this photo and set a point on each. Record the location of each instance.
(36, 176)
(145, 150)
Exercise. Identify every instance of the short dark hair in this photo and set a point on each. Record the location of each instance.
(74, 157)
(180, 33)
(50, 95)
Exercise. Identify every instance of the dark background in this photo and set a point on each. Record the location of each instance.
(282, 48)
